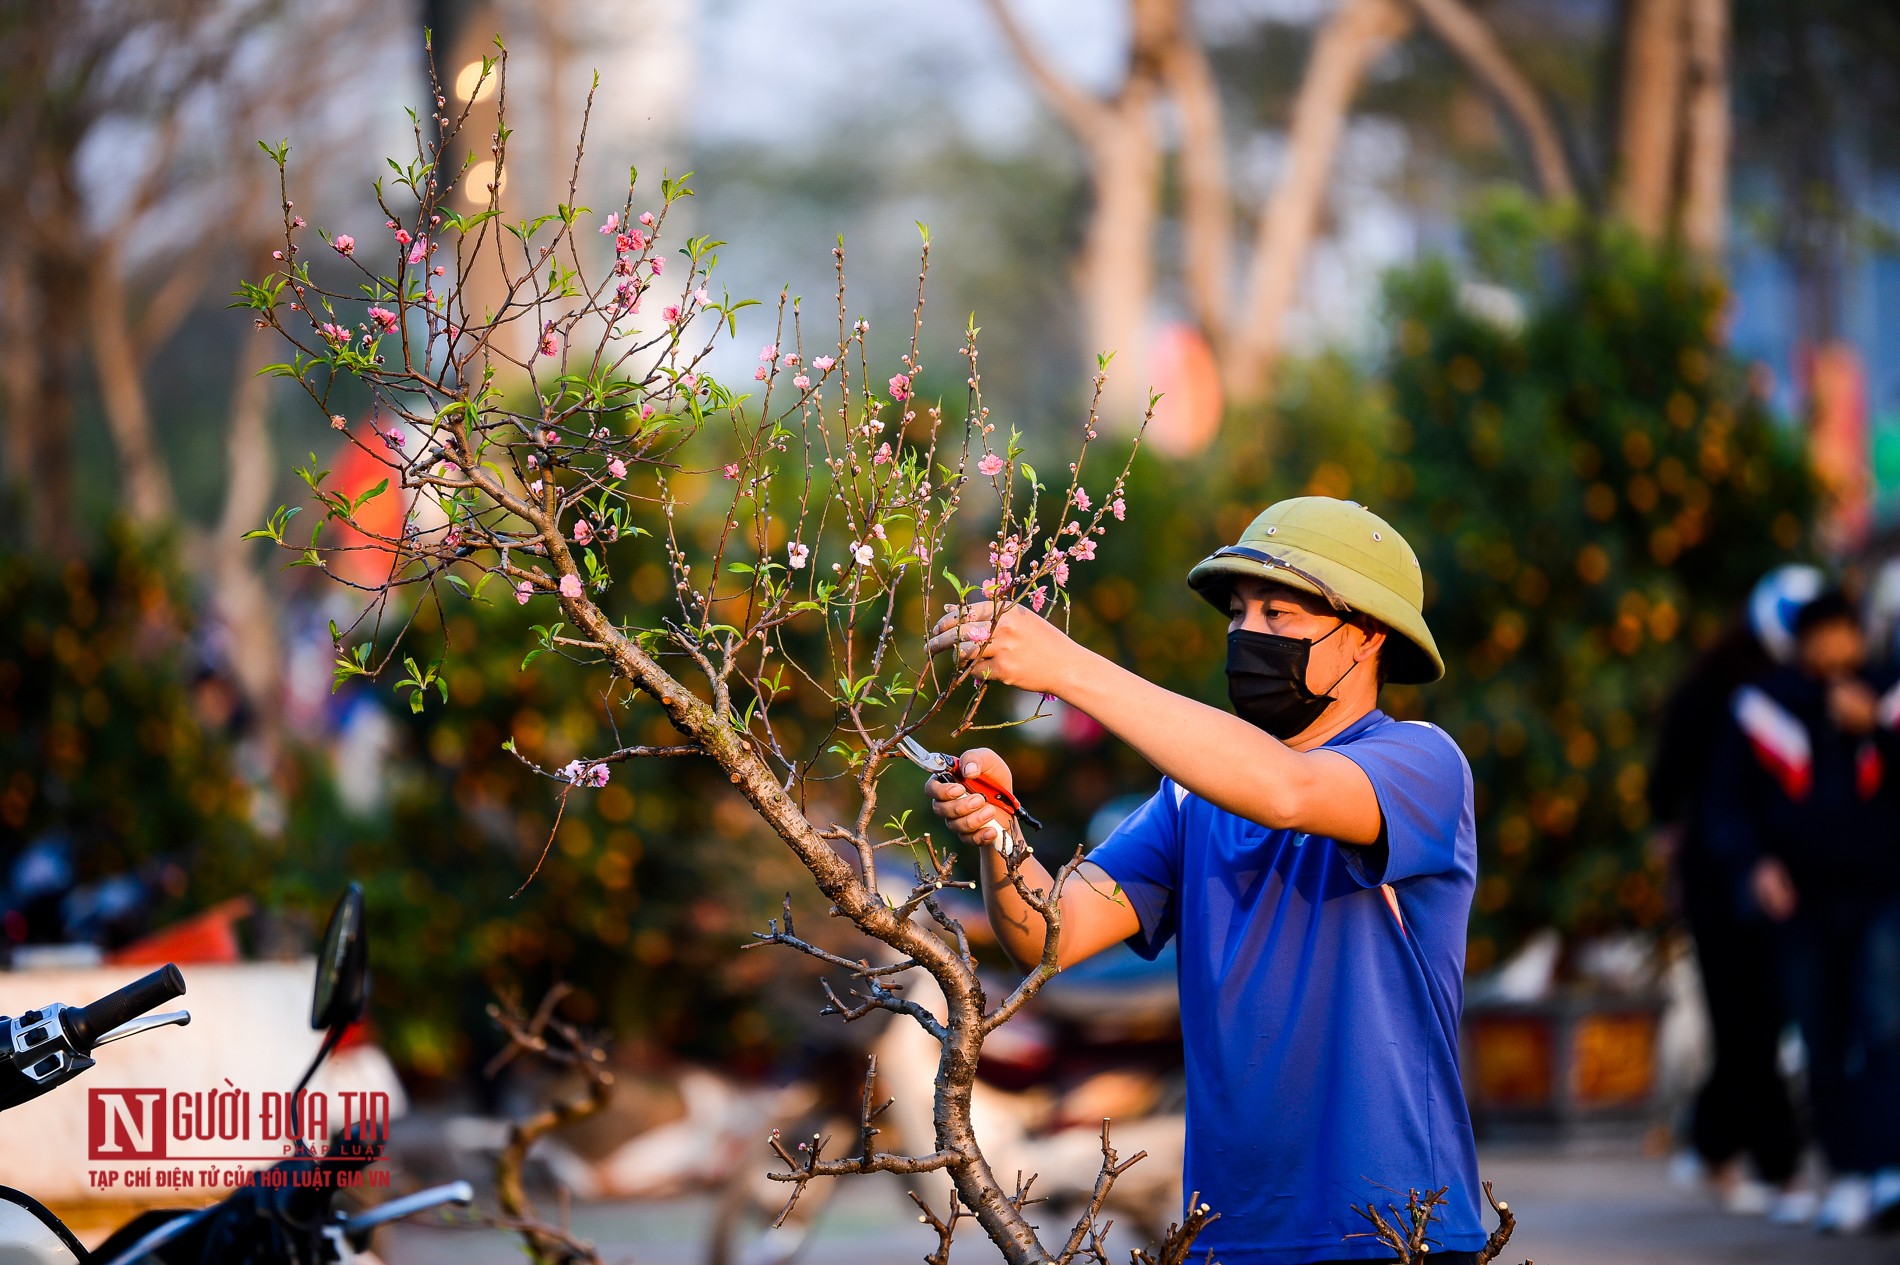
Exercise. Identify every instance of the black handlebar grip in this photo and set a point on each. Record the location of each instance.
(86, 1024)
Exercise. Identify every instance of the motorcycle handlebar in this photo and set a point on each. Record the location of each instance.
(86, 1024)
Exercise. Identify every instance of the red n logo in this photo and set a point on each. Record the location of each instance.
(125, 1124)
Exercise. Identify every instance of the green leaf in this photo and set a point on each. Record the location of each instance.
(368, 496)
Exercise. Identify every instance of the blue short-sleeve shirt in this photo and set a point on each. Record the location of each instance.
(1321, 986)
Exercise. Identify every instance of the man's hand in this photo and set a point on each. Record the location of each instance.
(971, 817)
(1016, 647)
(1852, 706)
(1774, 889)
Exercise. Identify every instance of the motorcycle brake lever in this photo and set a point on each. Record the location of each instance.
(144, 1023)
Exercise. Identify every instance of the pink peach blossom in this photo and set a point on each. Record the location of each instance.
(646, 218)
(343, 244)
(617, 468)
(990, 466)
(583, 531)
(823, 363)
(571, 587)
(523, 591)
(732, 470)
(900, 386)
(1081, 499)
(796, 555)
(769, 352)
(1120, 508)
(801, 382)
(612, 225)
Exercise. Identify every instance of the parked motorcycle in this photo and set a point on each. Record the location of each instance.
(286, 1218)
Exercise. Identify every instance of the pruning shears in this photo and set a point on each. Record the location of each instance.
(943, 768)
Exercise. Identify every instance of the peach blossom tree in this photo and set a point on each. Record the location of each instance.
(548, 403)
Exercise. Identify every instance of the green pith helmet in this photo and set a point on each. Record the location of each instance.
(1343, 552)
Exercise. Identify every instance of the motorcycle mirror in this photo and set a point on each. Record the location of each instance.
(342, 987)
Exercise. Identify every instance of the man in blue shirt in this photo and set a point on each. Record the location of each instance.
(1313, 858)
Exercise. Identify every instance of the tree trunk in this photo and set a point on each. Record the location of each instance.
(147, 486)
(19, 379)
(1358, 33)
(45, 378)
(852, 899)
(1473, 43)
(1207, 214)
(1115, 273)
(1706, 132)
(240, 595)
(1651, 121)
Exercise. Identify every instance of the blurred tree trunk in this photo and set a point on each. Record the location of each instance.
(1207, 211)
(1650, 124)
(1355, 37)
(1706, 131)
(36, 377)
(1115, 272)
(148, 488)
(1477, 46)
(44, 378)
(240, 596)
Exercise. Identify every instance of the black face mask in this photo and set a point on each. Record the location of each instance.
(1266, 681)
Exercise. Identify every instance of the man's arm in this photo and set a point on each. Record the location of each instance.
(1223, 759)
(1094, 913)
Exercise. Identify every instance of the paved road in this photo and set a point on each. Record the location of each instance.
(1610, 1209)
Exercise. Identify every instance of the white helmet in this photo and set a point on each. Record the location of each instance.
(1774, 602)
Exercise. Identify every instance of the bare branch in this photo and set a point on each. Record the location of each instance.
(545, 1037)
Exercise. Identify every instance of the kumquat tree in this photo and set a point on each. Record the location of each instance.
(544, 401)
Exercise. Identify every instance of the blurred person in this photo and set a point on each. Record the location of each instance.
(1312, 859)
(1743, 1110)
(1804, 808)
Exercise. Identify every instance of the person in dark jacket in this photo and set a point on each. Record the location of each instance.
(1804, 812)
(1743, 1109)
